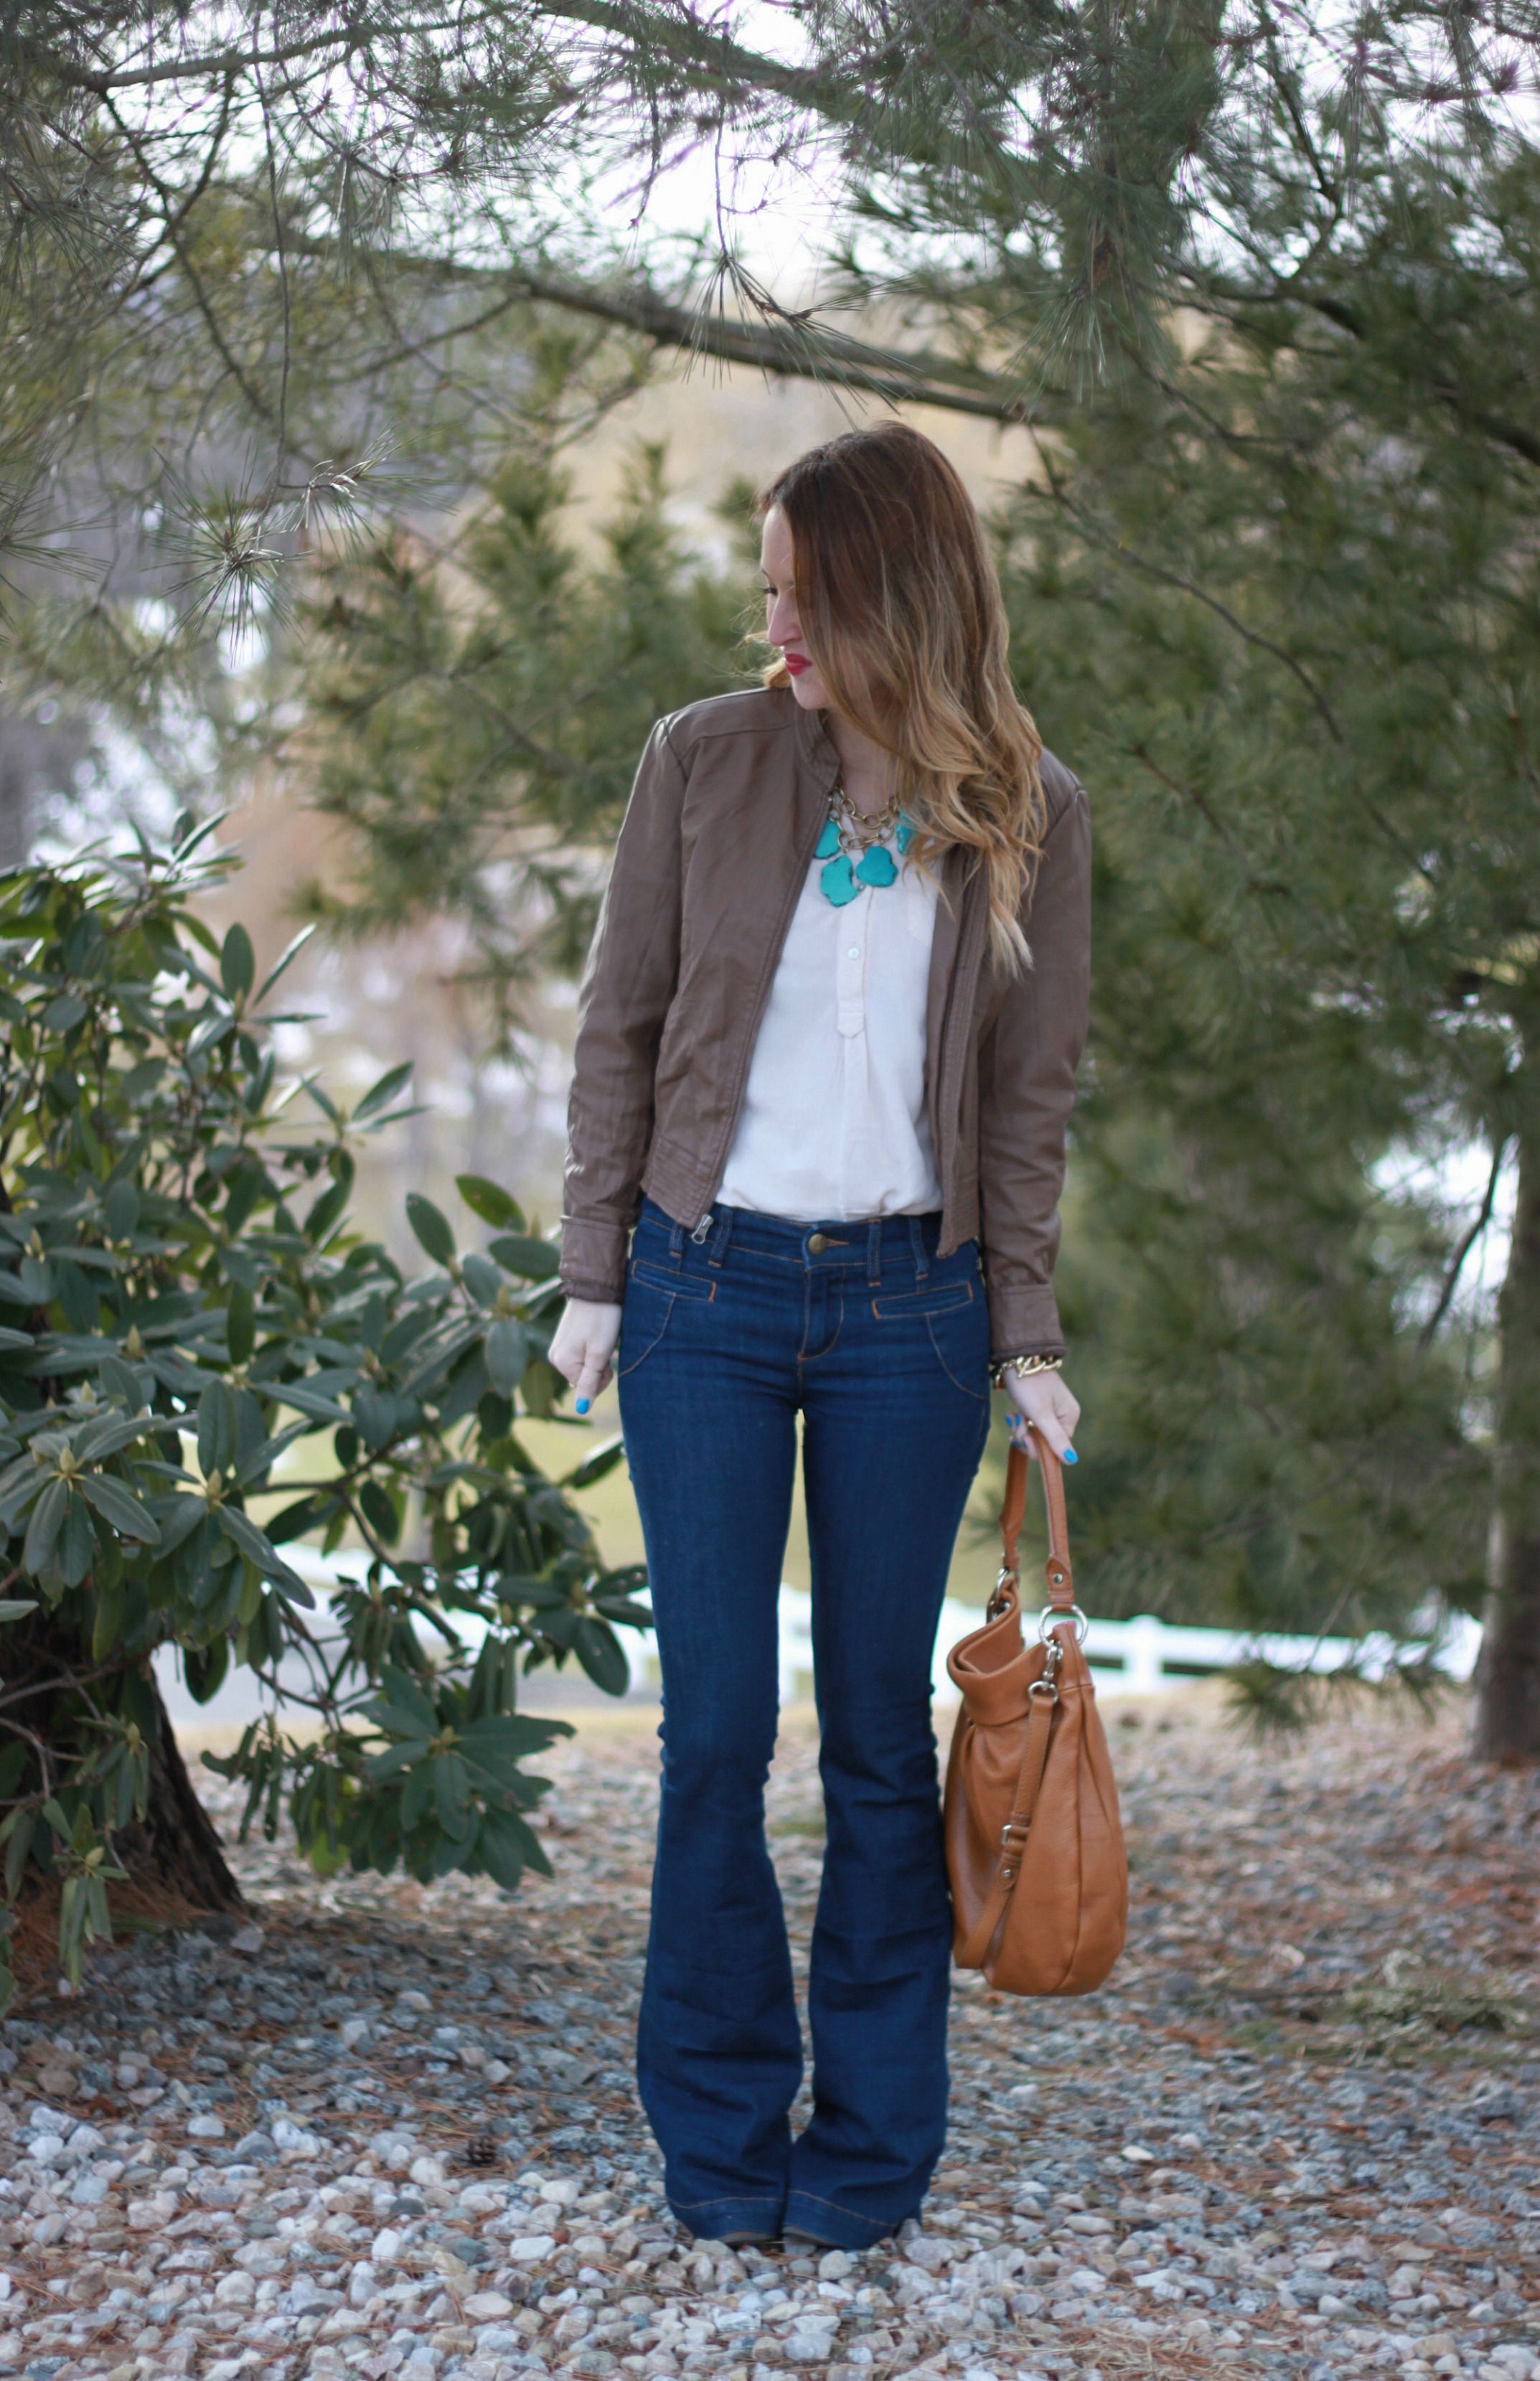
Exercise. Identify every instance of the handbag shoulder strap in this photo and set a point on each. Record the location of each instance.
(1057, 1570)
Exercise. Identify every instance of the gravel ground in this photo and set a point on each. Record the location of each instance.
(382, 2131)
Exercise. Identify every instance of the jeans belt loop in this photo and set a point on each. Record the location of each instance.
(722, 1237)
(917, 1243)
(676, 1243)
(873, 1252)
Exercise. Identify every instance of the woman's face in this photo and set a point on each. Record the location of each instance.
(781, 624)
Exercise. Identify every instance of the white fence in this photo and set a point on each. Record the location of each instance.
(1132, 1657)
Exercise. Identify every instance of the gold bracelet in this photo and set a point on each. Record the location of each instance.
(1023, 1367)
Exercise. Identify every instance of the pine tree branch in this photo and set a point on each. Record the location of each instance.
(1468, 1241)
(211, 65)
(785, 346)
(1159, 572)
(791, 349)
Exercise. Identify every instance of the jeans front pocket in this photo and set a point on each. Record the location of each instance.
(652, 1293)
(950, 1317)
(935, 1297)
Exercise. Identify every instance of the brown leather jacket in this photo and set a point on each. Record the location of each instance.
(730, 800)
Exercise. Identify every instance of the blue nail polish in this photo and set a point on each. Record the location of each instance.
(583, 1407)
(1070, 1455)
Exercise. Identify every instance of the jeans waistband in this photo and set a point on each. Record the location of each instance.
(828, 1246)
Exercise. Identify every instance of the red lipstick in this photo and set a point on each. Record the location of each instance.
(796, 663)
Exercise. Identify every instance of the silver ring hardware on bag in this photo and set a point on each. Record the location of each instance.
(997, 1603)
(1052, 1613)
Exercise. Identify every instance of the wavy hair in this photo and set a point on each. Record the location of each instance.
(900, 605)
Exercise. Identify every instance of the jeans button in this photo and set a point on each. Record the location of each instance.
(817, 1243)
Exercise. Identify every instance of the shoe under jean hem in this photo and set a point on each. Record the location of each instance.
(882, 1349)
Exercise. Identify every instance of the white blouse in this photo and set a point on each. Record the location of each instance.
(834, 1125)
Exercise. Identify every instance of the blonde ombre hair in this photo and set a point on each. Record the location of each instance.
(900, 610)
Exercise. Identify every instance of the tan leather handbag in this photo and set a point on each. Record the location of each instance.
(1034, 1844)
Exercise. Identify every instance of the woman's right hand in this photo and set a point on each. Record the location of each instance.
(582, 1345)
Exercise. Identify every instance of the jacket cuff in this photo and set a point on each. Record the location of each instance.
(594, 1260)
(1023, 1321)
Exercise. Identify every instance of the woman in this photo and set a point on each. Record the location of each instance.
(826, 1049)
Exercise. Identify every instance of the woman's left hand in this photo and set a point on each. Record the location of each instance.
(1047, 1401)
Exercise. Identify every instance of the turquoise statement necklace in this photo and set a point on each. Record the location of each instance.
(853, 848)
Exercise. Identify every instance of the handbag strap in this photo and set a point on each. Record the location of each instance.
(1057, 1570)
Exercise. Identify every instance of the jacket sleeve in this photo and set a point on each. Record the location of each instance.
(1027, 1067)
(628, 985)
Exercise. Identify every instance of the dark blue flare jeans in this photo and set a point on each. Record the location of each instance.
(883, 1346)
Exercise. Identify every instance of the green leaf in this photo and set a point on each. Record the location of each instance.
(491, 1202)
(111, 1436)
(508, 1845)
(16, 1607)
(532, 1260)
(380, 1512)
(323, 1216)
(261, 1457)
(21, 1828)
(218, 1429)
(44, 1528)
(252, 1542)
(120, 1210)
(403, 1709)
(241, 1324)
(620, 1608)
(415, 1794)
(481, 1276)
(379, 1096)
(508, 1353)
(599, 1650)
(207, 1035)
(120, 1382)
(119, 1508)
(107, 1629)
(396, 1757)
(498, 1853)
(310, 1401)
(507, 1736)
(432, 1227)
(295, 946)
(204, 1668)
(178, 1518)
(452, 1794)
(238, 963)
(596, 1466)
(77, 1295)
(377, 1415)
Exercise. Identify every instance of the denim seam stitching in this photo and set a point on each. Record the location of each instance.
(898, 1307)
(624, 1372)
(980, 1397)
(829, 1346)
(833, 2207)
(733, 2199)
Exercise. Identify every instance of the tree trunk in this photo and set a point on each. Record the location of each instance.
(1507, 1720)
(172, 1852)
(177, 1846)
